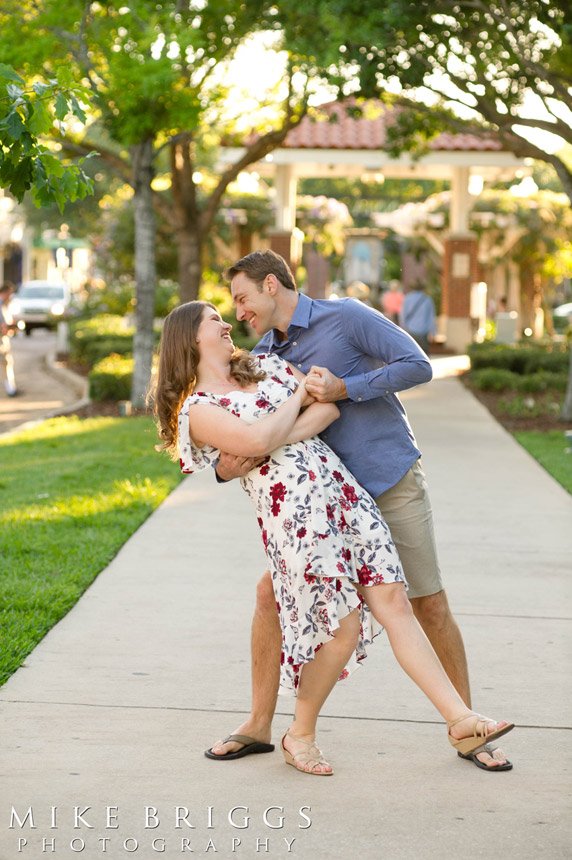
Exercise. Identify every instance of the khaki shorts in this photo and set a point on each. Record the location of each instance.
(406, 509)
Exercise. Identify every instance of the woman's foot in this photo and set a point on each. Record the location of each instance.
(303, 754)
(470, 731)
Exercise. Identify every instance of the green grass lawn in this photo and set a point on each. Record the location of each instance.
(72, 492)
(549, 448)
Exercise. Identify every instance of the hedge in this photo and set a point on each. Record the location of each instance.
(498, 379)
(110, 378)
(100, 336)
(103, 335)
(520, 359)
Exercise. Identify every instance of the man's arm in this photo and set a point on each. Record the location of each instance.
(405, 364)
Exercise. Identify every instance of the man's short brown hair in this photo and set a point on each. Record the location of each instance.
(261, 263)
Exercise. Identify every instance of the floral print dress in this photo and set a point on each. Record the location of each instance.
(322, 532)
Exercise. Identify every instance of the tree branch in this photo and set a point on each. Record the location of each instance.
(121, 167)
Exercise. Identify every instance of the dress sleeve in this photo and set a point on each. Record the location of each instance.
(191, 457)
(278, 370)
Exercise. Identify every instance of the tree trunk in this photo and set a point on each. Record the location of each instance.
(145, 270)
(189, 247)
(566, 414)
(186, 218)
(530, 295)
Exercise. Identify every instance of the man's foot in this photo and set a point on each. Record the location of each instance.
(252, 730)
(488, 758)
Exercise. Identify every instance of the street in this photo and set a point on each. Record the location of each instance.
(45, 389)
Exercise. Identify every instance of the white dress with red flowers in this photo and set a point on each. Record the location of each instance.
(322, 532)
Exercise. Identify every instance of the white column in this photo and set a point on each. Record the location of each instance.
(285, 197)
(460, 202)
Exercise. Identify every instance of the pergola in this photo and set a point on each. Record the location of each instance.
(337, 144)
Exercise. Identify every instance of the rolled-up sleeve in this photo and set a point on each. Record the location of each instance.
(404, 363)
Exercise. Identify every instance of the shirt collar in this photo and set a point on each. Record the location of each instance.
(300, 319)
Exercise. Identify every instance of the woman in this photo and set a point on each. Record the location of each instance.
(336, 573)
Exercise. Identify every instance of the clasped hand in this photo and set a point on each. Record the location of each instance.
(324, 386)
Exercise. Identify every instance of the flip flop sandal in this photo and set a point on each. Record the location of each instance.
(251, 747)
(490, 750)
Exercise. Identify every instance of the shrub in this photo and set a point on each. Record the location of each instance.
(110, 378)
(520, 358)
(103, 335)
(88, 338)
(94, 350)
(494, 379)
(542, 381)
(553, 362)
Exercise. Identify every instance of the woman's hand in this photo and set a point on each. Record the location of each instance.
(307, 398)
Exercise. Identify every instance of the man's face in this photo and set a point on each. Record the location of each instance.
(252, 304)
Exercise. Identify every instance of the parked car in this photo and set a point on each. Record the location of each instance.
(563, 310)
(562, 317)
(40, 304)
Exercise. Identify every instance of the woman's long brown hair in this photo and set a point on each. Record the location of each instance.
(177, 374)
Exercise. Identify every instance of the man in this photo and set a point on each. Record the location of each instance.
(417, 316)
(356, 357)
(7, 329)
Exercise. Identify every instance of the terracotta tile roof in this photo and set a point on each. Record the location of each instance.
(466, 141)
(369, 132)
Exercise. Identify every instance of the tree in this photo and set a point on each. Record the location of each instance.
(28, 112)
(141, 97)
(503, 67)
(155, 75)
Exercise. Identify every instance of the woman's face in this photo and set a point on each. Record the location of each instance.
(213, 334)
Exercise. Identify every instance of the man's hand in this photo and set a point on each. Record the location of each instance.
(229, 466)
(324, 386)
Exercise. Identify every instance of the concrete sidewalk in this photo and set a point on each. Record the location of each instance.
(115, 707)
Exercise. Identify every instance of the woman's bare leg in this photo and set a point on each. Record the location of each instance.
(317, 680)
(414, 653)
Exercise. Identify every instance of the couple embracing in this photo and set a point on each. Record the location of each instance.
(312, 425)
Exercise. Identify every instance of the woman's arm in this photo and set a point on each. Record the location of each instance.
(313, 420)
(214, 426)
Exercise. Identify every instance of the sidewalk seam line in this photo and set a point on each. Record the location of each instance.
(231, 711)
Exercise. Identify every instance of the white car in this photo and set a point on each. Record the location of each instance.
(563, 310)
(39, 304)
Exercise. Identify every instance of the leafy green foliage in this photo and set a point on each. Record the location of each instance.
(464, 66)
(110, 378)
(499, 379)
(28, 113)
(520, 359)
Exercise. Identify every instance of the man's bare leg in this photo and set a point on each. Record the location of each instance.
(266, 644)
(440, 627)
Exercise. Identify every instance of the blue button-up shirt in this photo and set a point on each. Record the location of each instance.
(418, 313)
(376, 359)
